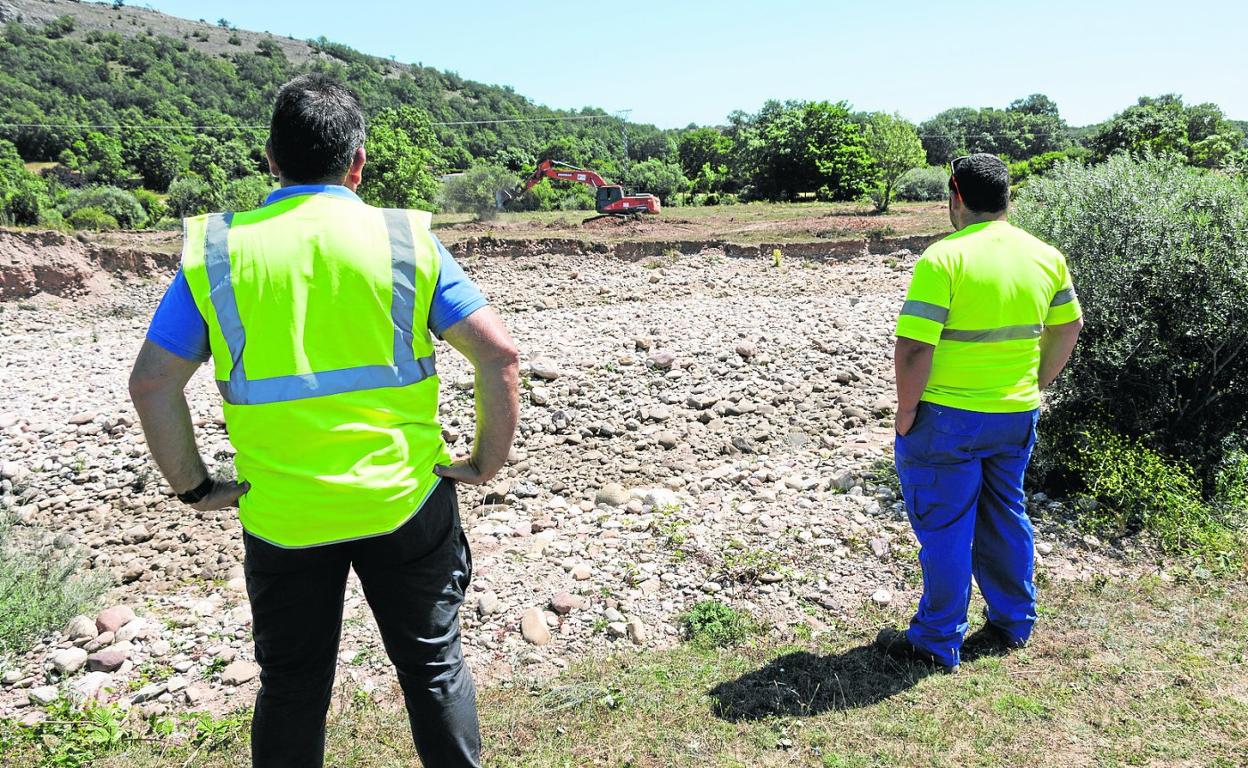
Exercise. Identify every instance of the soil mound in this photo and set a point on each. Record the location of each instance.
(59, 264)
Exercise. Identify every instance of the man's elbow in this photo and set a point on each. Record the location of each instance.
(910, 349)
(500, 356)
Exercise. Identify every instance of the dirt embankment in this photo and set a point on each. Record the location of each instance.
(834, 250)
(62, 265)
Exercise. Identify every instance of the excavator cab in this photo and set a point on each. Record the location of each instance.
(608, 195)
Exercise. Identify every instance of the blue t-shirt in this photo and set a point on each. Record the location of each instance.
(178, 328)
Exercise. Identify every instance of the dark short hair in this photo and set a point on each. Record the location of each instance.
(317, 127)
(983, 182)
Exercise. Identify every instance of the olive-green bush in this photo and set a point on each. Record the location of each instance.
(91, 218)
(118, 204)
(1159, 256)
(924, 184)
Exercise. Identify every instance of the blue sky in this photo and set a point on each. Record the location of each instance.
(683, 61)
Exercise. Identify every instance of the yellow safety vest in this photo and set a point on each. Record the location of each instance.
(983, 296)
(317, 309)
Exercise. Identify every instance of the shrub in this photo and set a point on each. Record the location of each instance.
(712, 623)
(40, 590)
(1159, 256)
(246, 193)
(1231, 488)
(91, 218)
(1039, 165)
(924, 184)
(52, 219)
(577, 198)
(1139, 489)
(476, 190)
(153, 206)
(661, 178)
(190, 196)
(542, 197)
(118, 204)
(23, 195)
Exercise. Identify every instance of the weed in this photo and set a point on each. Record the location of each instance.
(1136, 488)
(68, 738)
(39, 591)
(215, 667)
(746, 565)
(714, 624)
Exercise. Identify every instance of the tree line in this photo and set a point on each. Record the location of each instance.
(183, 131)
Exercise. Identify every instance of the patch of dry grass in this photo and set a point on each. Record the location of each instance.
(1120, 673)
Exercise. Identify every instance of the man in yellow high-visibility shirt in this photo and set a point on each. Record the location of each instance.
(990, 319)
(318, 313)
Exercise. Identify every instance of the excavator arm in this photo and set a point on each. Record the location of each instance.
(610, 197)
(553, 169)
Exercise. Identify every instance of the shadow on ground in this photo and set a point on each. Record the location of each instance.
(802, 684)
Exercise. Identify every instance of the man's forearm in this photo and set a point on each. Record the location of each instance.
(913, 365)
(166, 421)
(498, 411)
(1057, 343)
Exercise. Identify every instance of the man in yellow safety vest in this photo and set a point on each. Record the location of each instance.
(319, 313)
(990, 319)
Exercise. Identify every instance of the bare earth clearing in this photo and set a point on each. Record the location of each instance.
(694, 426)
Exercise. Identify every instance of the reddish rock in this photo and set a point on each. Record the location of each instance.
(107, 660)
(113, 619)
(565, 602)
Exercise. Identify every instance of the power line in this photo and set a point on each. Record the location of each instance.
(174, 127)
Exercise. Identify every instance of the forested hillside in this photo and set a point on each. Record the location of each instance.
(58, 73)
(160, 117)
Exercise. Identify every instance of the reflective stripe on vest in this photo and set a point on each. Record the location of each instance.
(1008, 333)
(406, 370)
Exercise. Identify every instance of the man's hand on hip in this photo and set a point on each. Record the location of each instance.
(464, 471)
(905, 421)
(224, 493)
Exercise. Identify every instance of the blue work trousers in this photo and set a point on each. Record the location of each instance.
(962, 479)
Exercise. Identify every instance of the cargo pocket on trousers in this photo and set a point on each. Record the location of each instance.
(915, 482)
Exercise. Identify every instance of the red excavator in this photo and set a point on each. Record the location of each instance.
(609, 199)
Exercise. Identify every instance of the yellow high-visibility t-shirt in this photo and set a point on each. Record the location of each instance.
(982, 296)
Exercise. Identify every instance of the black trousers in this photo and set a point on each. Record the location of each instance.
(414, 580)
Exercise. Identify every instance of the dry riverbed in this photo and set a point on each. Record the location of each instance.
(693, 427)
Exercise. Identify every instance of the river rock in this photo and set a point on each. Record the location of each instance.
(239, 672)
(69, 660)
(533, 627)
(113, 619)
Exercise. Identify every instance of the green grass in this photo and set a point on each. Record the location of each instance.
(1125, 673)
(40, 590)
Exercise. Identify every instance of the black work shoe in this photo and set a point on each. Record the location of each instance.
(990, 640)
(896, 644)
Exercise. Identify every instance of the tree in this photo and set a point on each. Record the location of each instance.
(1027, 127)
(475, 190)
(400, 150)
(23, 195)
(704, 154)
(1035, 104)
(100, 159)
(791, 148)
(157, 156)
(661, 178)
(895, 148)
(1161, 126)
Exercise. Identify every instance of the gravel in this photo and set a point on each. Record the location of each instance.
(700, 427)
